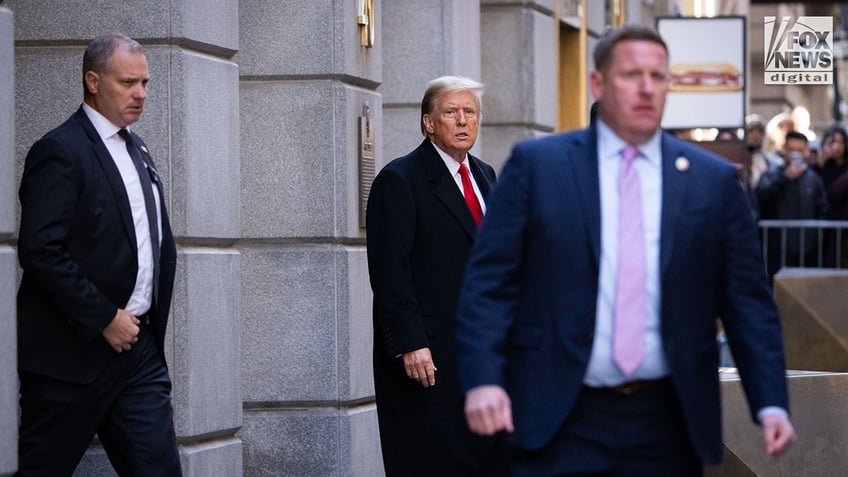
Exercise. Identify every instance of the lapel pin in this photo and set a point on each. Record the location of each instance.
(144, 150)
(682, 164)
(154, 174)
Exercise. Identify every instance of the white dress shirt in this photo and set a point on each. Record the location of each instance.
(602, 370)
(453, 167)
(141, 298)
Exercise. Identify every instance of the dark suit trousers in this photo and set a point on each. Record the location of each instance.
(608, 434)
(128, 406)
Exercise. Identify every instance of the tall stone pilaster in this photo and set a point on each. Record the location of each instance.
(519, 69)
(422, 41)
(306, 368)
(8, 199)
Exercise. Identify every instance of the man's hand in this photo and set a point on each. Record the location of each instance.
(778, 433)
(419, 366)
(488, 410)
(794, 170)
(122, 332)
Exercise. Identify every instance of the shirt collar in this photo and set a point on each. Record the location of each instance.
(610, 145)
(450, 162)
(103, 126)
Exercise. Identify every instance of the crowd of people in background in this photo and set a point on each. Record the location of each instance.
(791, 174)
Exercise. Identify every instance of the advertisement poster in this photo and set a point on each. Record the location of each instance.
(707, 72)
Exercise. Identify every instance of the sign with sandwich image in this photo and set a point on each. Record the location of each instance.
(706, 84)
(704, 78)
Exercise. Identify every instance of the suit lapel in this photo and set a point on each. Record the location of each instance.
(584, 162)
(674, 182)
(113, 176)
(446, 190)
(148, 161)
(483, 181)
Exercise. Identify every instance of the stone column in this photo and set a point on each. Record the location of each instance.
(191, 125)
(306, 367)
(422, 41)
(8, 262)
(519, 69)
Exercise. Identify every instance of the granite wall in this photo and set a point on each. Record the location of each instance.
(8, 261)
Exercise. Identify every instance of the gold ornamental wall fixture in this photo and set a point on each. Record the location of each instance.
(366, 21)
(367, 159)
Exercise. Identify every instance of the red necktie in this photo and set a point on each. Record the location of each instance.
(470, 196)
(629, 327)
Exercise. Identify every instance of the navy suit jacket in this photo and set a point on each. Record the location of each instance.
(78, 252)
(527, 307)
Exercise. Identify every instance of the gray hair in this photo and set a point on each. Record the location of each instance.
(100, 50)
(446, 85)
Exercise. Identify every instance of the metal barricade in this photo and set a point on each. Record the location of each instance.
(828, 249)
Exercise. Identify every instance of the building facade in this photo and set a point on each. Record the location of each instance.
(257, 116)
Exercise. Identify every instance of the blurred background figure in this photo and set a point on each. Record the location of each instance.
(837, 196)
(757, 160)
(814, 147)
(800, 117)
(832, 167)
(685, 134)
(776, 130)
(830, 162)
(726, 134)
(792, 191)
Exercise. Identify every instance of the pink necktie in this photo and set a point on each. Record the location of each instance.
(629, 326)
(470, 196)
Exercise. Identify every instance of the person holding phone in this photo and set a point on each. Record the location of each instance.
(792, 191)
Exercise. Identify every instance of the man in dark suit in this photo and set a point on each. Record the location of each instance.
(423, 213)
(591, 372)
(98, 263)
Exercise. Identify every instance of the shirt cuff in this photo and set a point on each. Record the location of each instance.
(771, 411)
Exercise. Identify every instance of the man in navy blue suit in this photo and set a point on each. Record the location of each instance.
(98, 261)
(587, 316)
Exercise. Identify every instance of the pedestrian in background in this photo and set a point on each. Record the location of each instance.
(792, 191)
